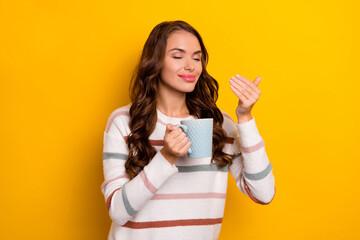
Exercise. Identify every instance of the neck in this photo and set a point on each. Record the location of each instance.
(172, 104)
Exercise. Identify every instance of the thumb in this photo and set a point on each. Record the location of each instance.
(169, 127)
(257, 81)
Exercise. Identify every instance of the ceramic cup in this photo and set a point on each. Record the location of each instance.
(199, 133)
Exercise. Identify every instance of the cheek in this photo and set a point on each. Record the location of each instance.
(168, 72)
(171, 67)
(199, 68)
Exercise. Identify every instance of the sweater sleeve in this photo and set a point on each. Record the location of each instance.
(124, 197)
(251, 167)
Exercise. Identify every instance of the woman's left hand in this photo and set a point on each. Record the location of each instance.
(248, 93)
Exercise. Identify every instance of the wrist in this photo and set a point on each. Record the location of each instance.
(169, 157)
(244, 118)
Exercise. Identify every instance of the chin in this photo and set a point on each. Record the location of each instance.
(189, 89)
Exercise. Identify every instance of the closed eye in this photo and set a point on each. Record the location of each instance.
(196, 59)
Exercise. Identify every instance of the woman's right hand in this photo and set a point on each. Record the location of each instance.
(176, 144)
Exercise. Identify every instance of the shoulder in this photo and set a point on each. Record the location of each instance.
(228, 120)
(226, 116)
(229, 124)
(119, 117)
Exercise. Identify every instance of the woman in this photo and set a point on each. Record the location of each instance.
(152, 189)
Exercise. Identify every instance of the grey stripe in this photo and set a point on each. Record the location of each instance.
(127, 205)
(107, 155)
(259, 175)
(200, 168)
(236, 155)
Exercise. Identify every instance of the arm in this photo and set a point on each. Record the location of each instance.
(251, 167)
(125, 198)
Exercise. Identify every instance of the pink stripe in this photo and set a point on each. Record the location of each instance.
(108, 201)
(251, 196)
(227, 116)
(173, 223)
(147, 182)
(188, 196)
(121, 113)
(126, 113)
(106, 182)
(238, 178)
(253, 148)
(161, 122)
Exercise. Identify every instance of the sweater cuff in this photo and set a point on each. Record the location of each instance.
(159, 170)
(249, 134)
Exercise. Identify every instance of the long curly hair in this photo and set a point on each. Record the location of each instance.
(201, 103)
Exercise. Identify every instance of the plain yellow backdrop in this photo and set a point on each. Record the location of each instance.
(65, 66)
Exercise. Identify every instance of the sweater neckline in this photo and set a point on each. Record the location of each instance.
(165, 117)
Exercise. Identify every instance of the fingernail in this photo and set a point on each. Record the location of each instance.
(238, 75)
(231, 82)
(233, 78)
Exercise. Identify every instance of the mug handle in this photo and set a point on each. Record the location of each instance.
(185, 130)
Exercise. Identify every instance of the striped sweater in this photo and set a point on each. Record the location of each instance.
(185, 200)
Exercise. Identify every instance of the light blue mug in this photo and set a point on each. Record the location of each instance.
(200, 134)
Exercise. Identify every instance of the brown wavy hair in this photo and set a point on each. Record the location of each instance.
(143, 89)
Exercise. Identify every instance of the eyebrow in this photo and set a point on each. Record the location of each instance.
(182, 50)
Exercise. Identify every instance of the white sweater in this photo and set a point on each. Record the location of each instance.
(185, 200)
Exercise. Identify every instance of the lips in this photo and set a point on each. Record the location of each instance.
(188, 77)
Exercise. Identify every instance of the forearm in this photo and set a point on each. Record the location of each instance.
(130, 197)
(255, 178)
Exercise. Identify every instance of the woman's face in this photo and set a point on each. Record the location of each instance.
(182, 63)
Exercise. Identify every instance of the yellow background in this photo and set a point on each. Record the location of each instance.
(65, 66)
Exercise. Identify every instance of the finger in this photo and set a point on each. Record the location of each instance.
(239, 95)
(176, 133)
(186, 147)
(169, 128)
(249, 83)
(177, 144)
(250, 95)
(180, 137)
(173, 142)
(243, 88)
(257, 81)
(182, 142)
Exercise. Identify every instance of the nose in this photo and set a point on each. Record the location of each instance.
(189, 65)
